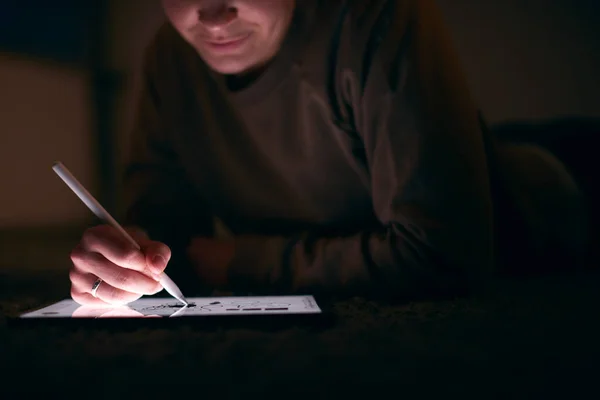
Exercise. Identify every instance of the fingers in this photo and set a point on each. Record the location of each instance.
(120, 278)
(81, 286)
(151, 258)
(126, 272)
(111, 243)
(113, 296)
(106, 295)
(86, 299)
(157, 254)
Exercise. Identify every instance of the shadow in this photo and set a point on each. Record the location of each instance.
(574, 141)
(59, 31)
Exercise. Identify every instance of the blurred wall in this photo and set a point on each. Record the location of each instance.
(526, 59)
(44, 117)
(529, 59)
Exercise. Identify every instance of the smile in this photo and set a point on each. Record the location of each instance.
(227, 45)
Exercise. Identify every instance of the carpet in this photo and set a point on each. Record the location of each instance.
(528, 338)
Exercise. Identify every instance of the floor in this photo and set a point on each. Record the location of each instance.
(534, 338)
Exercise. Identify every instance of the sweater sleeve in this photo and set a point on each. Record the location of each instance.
(410, 104)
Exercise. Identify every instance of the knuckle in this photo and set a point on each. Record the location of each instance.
(89, 237)
(101, 230)
(95, 235)
(118, 296)
(75, 295)
(133, 258)
(113, 293)
(73, 275)
(122, 279)
(76, 255)
(85, 261)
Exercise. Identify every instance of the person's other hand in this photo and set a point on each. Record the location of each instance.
(126, 273)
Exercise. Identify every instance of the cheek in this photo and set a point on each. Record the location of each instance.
(267, 26)
(265, 13)
(180, 13)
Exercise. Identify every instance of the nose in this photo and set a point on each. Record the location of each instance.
(217, 14)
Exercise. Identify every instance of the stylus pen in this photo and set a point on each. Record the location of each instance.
(101, 213)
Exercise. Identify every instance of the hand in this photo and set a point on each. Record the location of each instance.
(126, 272)
(211, 259)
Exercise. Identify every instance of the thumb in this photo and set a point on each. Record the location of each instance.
(157, 254)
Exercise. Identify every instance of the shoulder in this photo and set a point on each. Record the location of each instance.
(365, 15)
(380, 33)
(357, 29)
(367, 23)
(364, 19)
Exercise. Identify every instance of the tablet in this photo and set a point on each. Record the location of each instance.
(200, 307)
(203, 310)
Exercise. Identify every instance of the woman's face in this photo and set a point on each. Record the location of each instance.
(232, 36)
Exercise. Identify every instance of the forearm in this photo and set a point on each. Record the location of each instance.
(298, 264)
(393, 261)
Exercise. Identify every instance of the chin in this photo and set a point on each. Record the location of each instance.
(229, 67)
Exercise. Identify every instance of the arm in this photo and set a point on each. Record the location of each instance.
(429, 179)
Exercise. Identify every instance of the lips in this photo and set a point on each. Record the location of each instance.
(227, 44)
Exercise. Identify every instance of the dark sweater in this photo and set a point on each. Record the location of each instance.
(355, 163)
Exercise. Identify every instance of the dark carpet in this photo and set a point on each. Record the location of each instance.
(531, 338)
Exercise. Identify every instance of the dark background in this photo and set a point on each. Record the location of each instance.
(68, 79)
(56, 30)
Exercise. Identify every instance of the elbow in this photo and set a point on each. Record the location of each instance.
(422, 265)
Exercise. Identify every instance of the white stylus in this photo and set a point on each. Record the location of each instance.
(101, 213)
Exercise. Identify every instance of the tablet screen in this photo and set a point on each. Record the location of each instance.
(198, 307)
